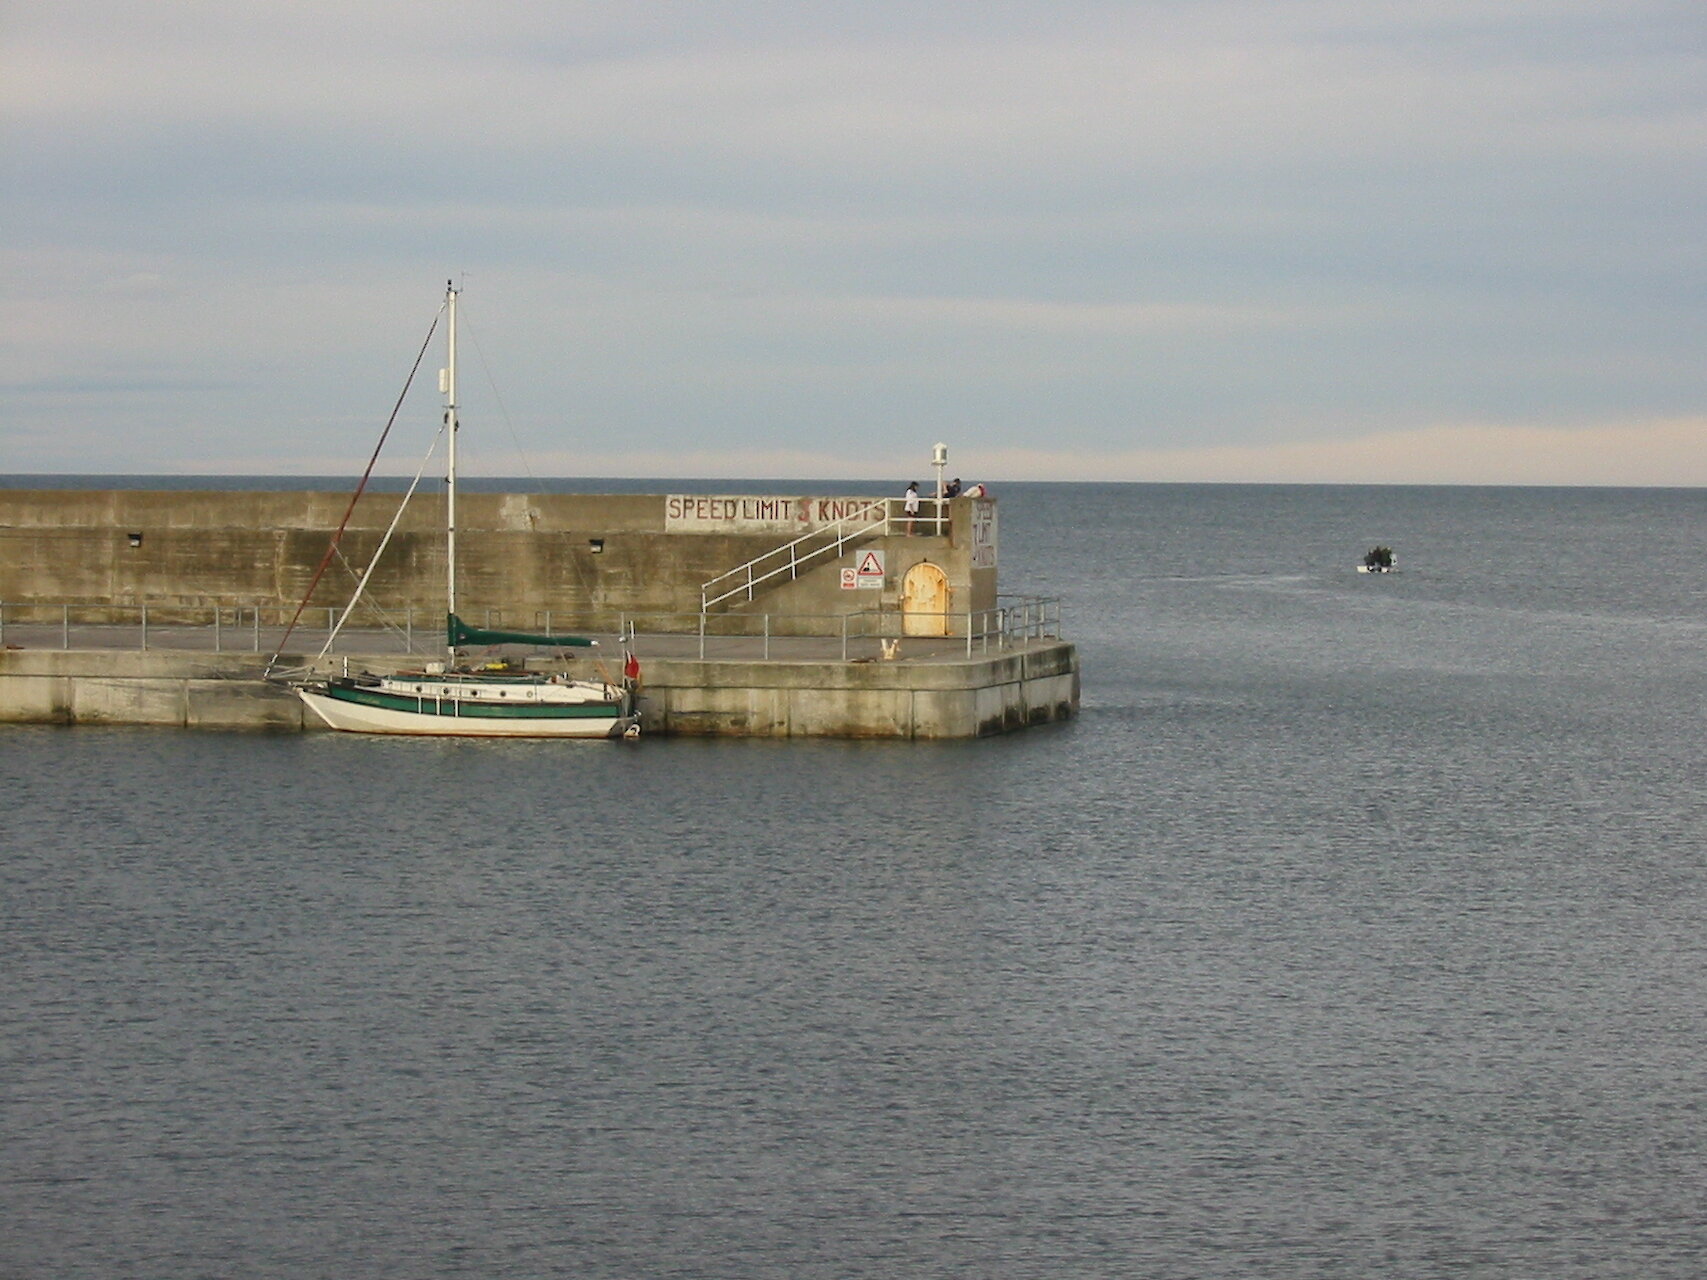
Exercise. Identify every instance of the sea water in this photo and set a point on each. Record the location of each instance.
(1354, 928)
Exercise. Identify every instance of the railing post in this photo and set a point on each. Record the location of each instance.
(845, 618)
(145, 627)
(702, 635)
(409, 627)
(257, 628)
(216, 612)
(767, 637)
(64, 626)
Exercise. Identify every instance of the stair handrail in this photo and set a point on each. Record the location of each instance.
(796, 561)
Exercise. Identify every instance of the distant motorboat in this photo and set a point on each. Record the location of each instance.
(1379, 560)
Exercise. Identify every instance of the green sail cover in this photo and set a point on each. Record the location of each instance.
(460, 633)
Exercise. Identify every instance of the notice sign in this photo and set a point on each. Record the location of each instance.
(983, 534)
(757, 513)
(865, 574)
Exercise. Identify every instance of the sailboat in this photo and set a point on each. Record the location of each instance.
(495, 700)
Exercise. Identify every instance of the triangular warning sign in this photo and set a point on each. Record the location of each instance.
(870, 563)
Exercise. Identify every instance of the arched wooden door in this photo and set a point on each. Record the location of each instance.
(924, 601)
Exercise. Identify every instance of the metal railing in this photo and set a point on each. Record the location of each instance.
(1016, 620)
(831, 539)
(224, 628)
(863, 635)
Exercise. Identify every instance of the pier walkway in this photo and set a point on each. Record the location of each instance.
(763, 685)
(368, 642)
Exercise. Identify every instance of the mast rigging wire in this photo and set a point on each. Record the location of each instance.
(355, 497)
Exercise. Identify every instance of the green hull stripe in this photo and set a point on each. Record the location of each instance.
(460, 710)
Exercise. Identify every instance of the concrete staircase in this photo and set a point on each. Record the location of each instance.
(741, 584)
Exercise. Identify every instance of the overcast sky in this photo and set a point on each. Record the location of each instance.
(1311, 240)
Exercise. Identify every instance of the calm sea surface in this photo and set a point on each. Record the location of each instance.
(1354, 929)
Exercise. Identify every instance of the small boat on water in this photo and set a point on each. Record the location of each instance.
(1379, 560)
(497, 699)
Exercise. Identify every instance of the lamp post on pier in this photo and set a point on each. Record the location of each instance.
(939, 460)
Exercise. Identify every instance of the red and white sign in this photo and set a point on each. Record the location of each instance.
(865, 574)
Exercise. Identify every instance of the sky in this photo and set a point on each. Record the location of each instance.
(1367, 241)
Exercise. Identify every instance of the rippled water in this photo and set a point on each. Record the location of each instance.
(1353, 929)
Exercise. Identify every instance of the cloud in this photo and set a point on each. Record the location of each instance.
(1671, 453)
(1223, 233)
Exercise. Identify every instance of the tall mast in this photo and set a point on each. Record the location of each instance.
(448, 386)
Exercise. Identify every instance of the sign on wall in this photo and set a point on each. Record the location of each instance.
(983, 534)
(749, 513)
(866, 573)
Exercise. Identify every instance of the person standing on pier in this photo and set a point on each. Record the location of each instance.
(911, 505)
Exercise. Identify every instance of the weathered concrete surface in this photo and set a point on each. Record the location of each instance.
(521, 556)
(573, 562)
(954, 698)
(188, 690)
(935, 698)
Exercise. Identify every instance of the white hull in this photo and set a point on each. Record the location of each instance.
(356, 717)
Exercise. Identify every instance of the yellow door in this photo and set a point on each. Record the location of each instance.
(924, 601)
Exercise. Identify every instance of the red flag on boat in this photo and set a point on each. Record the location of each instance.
(631, 667)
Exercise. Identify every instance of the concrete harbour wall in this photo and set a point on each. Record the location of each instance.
(963, 698)
(155, 560)
(583, 560)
